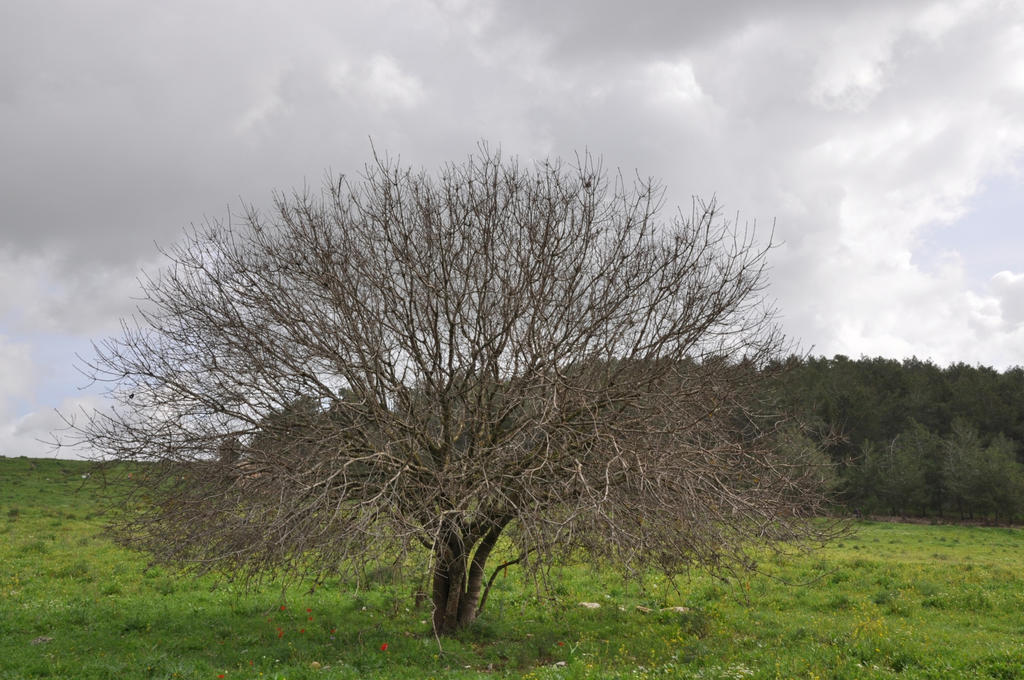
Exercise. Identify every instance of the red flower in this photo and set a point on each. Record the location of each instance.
(332, 630)
(384, 647)
(302, 630)
(221, 675)
(283, 607)
(309, 611)
(561, 644)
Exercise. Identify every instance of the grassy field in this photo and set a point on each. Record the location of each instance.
(893, 600)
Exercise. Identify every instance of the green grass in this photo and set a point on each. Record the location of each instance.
(891, 601)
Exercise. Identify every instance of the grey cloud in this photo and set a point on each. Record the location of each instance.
(608, 31)
(121, 125)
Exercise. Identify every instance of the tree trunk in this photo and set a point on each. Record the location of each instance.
(449, 576)
(456, 590)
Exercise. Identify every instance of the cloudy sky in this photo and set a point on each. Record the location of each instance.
(883, 138)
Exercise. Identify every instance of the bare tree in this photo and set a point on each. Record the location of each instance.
(409, 364)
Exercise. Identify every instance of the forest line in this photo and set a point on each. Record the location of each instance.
(910, 438)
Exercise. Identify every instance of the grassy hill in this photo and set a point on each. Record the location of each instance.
(891, 601)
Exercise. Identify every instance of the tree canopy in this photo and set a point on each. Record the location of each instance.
(408, 364)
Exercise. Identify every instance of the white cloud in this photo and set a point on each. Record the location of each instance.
(851, 71)
(674, 82)
(17, 375)
(379, 79)
(1009, 290)
(390, 85)
(902, 311)
(260, 115)
(42, 433)
(936, 19)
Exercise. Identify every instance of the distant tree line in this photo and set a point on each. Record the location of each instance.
(911, 438)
